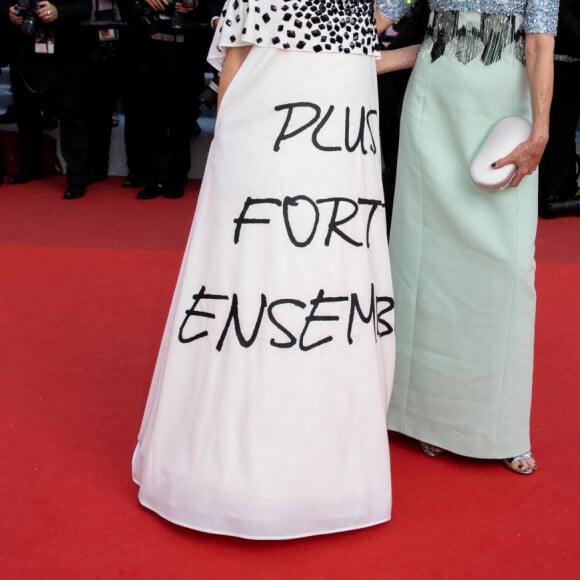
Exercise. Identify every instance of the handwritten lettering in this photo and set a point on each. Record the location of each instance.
(308, 220)
(320, 321)
(301, 116)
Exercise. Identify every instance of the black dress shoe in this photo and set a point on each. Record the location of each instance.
(133, 181)
(73, 192)
(24, 177)
(151, 191)
(173, 192)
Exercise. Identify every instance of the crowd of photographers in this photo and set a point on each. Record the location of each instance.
(79, 58)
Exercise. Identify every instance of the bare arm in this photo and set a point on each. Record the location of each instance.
(399, 59)
(540, 64)
(382, 22)
(234, 58)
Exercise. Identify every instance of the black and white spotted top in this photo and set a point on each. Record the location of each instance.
(346, 26)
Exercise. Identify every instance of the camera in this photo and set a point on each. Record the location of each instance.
(170, 20)
(105, 31)
(209, 95)
(176, 22)
(27, 10)
(559, 207)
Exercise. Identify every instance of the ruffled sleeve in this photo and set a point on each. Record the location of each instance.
(235, 20)
(346, 26)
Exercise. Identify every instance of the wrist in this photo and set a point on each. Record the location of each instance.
(540, 134)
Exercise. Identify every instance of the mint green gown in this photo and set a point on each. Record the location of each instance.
(463, 258)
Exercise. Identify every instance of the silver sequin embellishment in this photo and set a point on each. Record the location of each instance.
(540, 16)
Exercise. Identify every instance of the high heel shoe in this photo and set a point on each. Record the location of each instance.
(517, 464)
(24, 176)
(431, 450)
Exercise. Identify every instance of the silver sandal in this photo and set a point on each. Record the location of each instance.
(515, 464)
(431, 450)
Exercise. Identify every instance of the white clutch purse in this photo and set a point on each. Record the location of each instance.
(505, 135)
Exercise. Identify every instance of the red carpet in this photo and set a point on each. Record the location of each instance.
(84, 290)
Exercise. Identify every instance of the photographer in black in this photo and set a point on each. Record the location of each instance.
(51, 58)
(4, 60)
(169, 83)
(558, 178)
(113, 77)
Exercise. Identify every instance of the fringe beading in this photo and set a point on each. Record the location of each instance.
(467, 36)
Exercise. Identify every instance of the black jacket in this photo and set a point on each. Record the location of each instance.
(568, 39)
(67, 27)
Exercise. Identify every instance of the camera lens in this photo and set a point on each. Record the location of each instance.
(28, 26)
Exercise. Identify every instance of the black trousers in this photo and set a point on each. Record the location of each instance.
(114, 77)
(558, 165)
(132, 102)
(392, 88)
(168, 90)
(37, 80)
